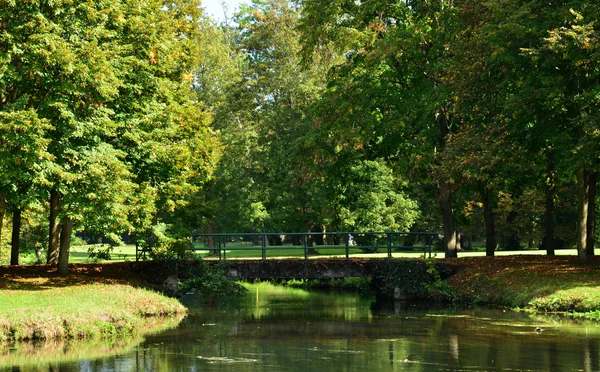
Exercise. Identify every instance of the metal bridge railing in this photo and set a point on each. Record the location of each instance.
(336, 243)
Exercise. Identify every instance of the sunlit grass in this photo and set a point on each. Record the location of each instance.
(79, 253)
(78, 311)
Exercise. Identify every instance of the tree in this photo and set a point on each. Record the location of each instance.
(569, 56)
(263, 120)
(114, 80)
(23, 160)
(391, 96)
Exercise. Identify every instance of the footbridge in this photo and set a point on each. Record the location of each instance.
(306, 245)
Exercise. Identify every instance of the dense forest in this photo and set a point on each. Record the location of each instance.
(146, 120)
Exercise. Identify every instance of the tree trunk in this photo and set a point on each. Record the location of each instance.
(447, 219)
(513, 242)
(16, 234)
(444, 192)
(65, 247)
(210, 229)
(550, 204)
(2, 213)
(296, 240)
(488, 216)
(54, 230)
(318, 237)
(591, 217)
(582, 213)
(330, 240)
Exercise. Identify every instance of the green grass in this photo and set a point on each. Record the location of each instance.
(79, 311)
(79, 253)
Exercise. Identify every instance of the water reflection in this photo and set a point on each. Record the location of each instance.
(75, 355)
(282, 329)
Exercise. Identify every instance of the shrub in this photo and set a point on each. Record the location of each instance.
(211, 282)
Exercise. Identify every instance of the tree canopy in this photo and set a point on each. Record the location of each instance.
(147, 119)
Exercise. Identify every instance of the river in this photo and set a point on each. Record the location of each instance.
(283, 329)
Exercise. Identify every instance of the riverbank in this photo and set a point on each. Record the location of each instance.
(107, 299)
(535, 283)
(98, 300)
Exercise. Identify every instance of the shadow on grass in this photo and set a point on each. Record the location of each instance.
(43, 277)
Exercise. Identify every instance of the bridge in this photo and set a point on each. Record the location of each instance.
(305, 245)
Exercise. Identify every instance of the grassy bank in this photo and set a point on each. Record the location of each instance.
(537, 283)
(96, 301)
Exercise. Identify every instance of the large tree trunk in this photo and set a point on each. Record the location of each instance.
(549, 240)
(444, 193)
(488, 216)
(582, 213)
(447, 219)
(2, 213)
(210, 229)
(16, 234)
(591, 217)
(54, 230)
(65, 247)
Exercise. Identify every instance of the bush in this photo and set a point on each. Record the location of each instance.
(211, 282)
(100, 252)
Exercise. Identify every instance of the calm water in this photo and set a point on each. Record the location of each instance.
(282, 329)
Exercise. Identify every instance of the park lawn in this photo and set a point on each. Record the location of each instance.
(94, 301)
(79, 253)
(243, 251)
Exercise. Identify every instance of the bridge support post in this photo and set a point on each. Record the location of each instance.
(219, 248)
(429, 239)
(389, 244)
(264, 246)
(347, 247)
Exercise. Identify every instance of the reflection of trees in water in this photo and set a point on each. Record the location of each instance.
(402, 338)
(492, 353)
(591, 359)
(392, 343)
(77, 355)
(62, 355)
(552, 356)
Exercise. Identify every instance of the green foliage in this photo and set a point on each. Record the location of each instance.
(96, 104)
(164, 244)
(370, 200)
(100, 252)
(437, 287)
(212, 284)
